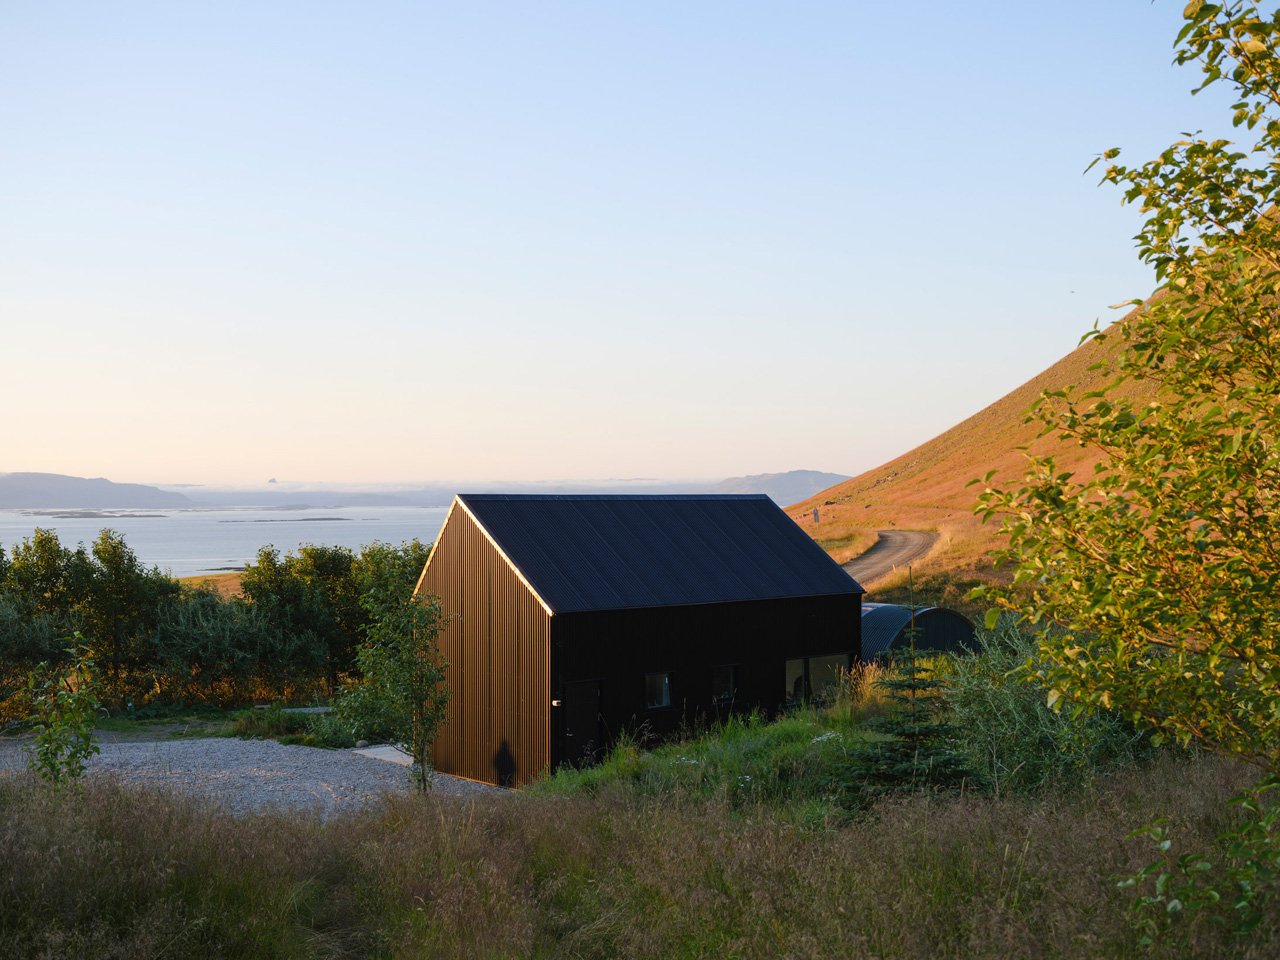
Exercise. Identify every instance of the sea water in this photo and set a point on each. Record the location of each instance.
(185, 542)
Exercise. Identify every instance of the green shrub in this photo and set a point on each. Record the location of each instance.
(27, 639)
(212, 648)
(1014, 740)
(917, 750)
(327, 730)
(1232, 885)
(792, 765)
(64, 706)
(271, 723)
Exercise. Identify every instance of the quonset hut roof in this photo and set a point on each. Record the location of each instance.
(605, 552)
(884, 626)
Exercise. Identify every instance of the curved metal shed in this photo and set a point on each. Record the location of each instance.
(885, 625)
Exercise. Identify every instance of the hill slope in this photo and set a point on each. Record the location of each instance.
(926, 488)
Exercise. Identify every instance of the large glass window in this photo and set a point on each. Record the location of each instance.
(724, 683)
(657, 690)
(815, 678)
(797, 688)
(826, 674)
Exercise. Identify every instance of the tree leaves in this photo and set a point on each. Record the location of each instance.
(1160, 569)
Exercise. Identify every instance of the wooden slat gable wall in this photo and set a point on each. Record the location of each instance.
(497, 644)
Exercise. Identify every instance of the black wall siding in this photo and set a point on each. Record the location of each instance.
(620, 647)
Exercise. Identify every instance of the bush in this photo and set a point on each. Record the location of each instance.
(26, 640)
(64, 706)
(224, 650)
(1014, 741)
(268, 724)
(327, 730)
(917, 751)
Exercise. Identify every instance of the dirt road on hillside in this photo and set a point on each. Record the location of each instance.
(895, 548)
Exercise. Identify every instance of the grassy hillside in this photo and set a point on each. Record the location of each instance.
(926, 488)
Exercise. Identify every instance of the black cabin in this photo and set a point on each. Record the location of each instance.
(577, 617)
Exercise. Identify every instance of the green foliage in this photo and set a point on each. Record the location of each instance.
(1160, 571)
(1233, 886)
(157, 642)
(115, 871)
(794, 764)
(225, 650)
(312, 596)
(317, 597)
(917, 750)
(26, 639)
(119, 609)
(327, 730)
(269, 723)
(44, 577)
(63, 707)
(1161, 568)
(1013, 741)
(105, 593)
(401, 696)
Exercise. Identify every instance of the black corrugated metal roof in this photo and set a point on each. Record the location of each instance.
(605, 552)
(883, 624)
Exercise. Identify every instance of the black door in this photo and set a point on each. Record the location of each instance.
(582, 731)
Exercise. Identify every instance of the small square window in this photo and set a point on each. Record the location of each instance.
(724, 683)
(657, 690)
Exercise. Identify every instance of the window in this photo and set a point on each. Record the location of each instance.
(825, 674)
(797, 687)
(724, 683)
(657, 690)
(815, 678)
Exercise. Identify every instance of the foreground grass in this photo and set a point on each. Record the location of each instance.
(196, 720)
(186, 722)
(109, 872)
(793, 765)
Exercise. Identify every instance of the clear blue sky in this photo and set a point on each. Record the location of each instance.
(360, 242)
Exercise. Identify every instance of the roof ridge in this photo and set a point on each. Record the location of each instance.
(614, 496)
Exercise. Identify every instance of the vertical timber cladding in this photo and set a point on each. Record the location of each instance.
(496, 642)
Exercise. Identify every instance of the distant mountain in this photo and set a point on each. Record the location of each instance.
(785, 488)
(314, 499)
(41, 491)
(44, 491)
(439, 495)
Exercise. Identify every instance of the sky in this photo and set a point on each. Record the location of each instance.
(384, 242)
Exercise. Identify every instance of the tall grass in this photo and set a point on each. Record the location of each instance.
(113, 872)
(796, 764)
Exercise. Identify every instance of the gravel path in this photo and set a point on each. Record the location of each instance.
(893, 549)
(247, 775)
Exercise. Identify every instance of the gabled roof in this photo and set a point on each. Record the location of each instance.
(603, 552)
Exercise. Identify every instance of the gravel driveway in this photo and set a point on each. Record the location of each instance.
(892, 549)
(246, 775)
